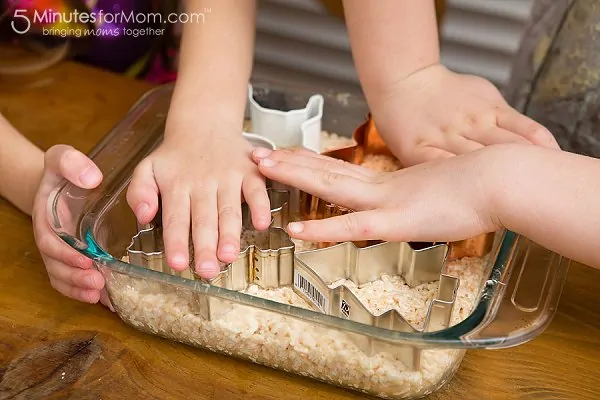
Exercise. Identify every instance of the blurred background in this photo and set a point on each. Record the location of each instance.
(477, 36)
(300, 40)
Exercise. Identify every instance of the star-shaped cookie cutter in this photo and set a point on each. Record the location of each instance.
(272, 118)
(369, 142)
(269, 261)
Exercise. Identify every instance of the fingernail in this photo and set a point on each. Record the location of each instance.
(111, 308)
(228, 248)
(178, 260)
(267, 162)
(90, 176)
(261, 152)
(207, 266)
(141, 210)
(295, 227)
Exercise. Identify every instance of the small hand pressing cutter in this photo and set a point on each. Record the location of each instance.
(147, 247)
(150, 235)
(369, 142)
(269, 261)
(272, 118)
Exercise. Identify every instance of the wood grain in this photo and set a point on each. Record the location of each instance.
(43, 334)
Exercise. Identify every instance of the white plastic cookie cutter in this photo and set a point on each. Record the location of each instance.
(288, 128)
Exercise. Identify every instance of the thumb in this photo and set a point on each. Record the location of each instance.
(63, 161)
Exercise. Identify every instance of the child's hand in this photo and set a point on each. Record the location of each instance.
(202, 179)
(436, 113)
(70, 272)
(445, 200)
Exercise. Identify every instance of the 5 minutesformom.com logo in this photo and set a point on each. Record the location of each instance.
(23, 19)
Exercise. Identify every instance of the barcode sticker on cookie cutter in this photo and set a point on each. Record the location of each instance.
(304, 285)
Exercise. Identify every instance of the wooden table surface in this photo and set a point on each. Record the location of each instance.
(43, 333)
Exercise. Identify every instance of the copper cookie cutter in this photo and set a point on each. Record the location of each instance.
(369, 142)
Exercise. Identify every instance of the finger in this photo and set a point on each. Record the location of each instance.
(254, 192)
(84, 279)
(142, 193)
(424, 154)
(65, 161)
(512, 120)
(411, 223)
(318, 161)
(229, 221)
(497, 135)
(53, 247)
(365, 225)
(459, 144)
(176, 227)
(337, 188)
(86, 295)
(205, 231)
(261, 152)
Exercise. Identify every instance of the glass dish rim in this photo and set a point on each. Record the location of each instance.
(447, 338)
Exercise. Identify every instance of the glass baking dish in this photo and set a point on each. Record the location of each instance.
(504, 299)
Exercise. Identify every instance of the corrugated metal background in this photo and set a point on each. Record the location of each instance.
(298, 40)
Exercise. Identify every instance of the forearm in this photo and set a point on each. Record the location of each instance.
(21, 167)
(215, 64)
(390, 40)
(551, 197)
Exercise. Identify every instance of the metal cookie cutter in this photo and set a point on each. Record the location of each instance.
(267, 258)
(147, 250)
(286, 128)
(270, 263)
(147, 247)
(313, 269)
(369, 142)
(266, 261)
